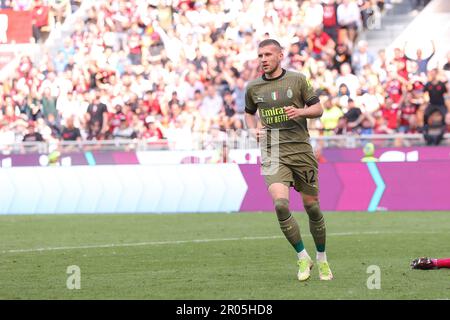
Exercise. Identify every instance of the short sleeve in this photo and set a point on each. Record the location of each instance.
(308, 94)
(250, 106)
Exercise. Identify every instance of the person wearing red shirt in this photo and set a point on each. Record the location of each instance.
(400, 61)
(330, 25)
(135, 45)
(319, 42)
(151, 103)
(39, 18)
(391, 113)
(394, 88)
(152, 133)
(408, 118)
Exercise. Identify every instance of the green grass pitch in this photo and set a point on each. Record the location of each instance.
(218, 256)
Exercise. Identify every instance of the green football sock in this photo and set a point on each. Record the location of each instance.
(317, 225)
(288, 224)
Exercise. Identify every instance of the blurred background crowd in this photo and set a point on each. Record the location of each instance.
(157, 70)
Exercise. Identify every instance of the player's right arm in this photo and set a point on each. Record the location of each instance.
(251, 120)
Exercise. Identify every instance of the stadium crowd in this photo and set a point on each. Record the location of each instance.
(46, 14)
(164, 69)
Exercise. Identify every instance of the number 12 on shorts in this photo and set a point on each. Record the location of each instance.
(309, 176)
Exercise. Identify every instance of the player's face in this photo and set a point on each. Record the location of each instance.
(270, 58)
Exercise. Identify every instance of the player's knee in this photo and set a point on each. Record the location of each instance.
(282, 208)
(310, 204)
(312, 208)
(310, 200)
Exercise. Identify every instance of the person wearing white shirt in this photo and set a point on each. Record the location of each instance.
(212, 103)
(349, 18)
(370, 100)
(362, 57)
(313, 14)
(349, 79)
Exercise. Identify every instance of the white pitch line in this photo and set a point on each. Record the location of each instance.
(137, 244)
(156, 243)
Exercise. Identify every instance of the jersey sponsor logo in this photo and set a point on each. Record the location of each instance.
(289, 93)
(308, 84)
(273, 115)
(274, 95)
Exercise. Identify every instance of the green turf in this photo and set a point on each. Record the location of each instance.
(223, 269)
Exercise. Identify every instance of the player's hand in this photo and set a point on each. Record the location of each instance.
(423, 263)
(293, 112)
(258, 133)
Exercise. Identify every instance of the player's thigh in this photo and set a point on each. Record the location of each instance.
(279, 190)
(278, 181)
(306, 174)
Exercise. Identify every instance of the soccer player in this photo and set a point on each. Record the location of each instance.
(287, 156)
(430, 263)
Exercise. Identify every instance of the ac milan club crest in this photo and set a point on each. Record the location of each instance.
(289, 93)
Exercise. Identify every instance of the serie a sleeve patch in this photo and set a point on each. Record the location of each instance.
(250, 111)
(312, 101)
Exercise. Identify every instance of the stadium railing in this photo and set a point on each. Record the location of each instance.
(206, 142)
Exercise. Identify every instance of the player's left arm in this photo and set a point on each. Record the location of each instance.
(313, 111)
(313, 107)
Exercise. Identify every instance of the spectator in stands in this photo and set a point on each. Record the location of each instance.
(39, 19)
(342, 56)
(319, 42)
(48, 103)
(435, 90)
(367, 124)
(229, 105)
(97, 111)
(408, 121)
(395, 87)
(53, 124)
(152, 132)
(330, 23)
(119, 55)
(313, 13)
(362, 57)
(331, 115)
(353, 116)
(59, 10)
(370, 100)
(422, 63)
(32, 135)
(36, 112)
(349, 19)
(391, 113)
(212, 103)
(124, 130)
(349, 79)
(434, 128)
(70, 132)
(400, 62)
(239, 96)
(22, 105)
(381, 126)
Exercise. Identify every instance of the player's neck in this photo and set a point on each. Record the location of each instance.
(278, 73)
